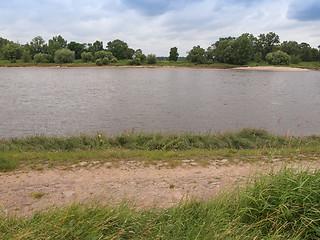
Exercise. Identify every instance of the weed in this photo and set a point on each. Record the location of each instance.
(37, 195)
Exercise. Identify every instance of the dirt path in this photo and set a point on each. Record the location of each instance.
(23, 193)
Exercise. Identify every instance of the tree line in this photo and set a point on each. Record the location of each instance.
(58, 50)
(247, 48)
(232, 50)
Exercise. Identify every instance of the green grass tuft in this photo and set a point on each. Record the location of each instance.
(7, 163)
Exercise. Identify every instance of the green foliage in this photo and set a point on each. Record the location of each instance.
(99, 62)
(42, 58)
(290, 47)
(267, 43)
(95, 47)
(308, 54)
(64, 56)
(151, 59)
(295, 59)
(244, 139)
(26, 56)
(196, 55)
(141, 56)
(87, 57)
(12, 51)
(37, 45)
(233, 51)
(56, 43)
(105, 57)
(174, 55)
(120, 49)
(7, 164)
(77, 48)
(135, 61)
(278, 58)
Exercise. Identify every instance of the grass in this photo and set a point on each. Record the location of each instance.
(282, 205)
(247, 145)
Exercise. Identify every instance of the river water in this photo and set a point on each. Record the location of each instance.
(66, 101)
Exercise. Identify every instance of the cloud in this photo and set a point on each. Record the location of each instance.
(157, 25)
(156, 7)
(304, 10)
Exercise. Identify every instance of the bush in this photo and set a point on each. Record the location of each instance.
(26, 56)
(151, 59)
(105, 61)
(278, 58)
(87, 57)
(64, 56)
(104, 57)
(135, 61)
(99, 62)
(42, 58)
(295, 59)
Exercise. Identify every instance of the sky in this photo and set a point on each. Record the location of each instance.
(157, 25)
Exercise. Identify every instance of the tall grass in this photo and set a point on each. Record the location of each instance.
(283, 205)
(244, 139)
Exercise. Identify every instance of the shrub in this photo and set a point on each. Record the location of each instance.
(105, 61)
(151, 59)
(135, 61)
(278, 58)
(42, 58)
(87, 57)
(104, 57)
(26, 56)
(295, 59)
(64, 56)
(100, 54)
(99, 62)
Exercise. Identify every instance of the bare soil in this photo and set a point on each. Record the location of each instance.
(24, 192)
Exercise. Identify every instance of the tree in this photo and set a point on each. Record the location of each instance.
(95, 47)
(37, 45)
(173, 54)
(196, 55)
(55, 44)
(64, 55)
(278, 58)
(12, 51)
(290, 47)
(138, 54)
(120, 49)
(87, 57)
(268, 43)
(151, 59)
(77, 48)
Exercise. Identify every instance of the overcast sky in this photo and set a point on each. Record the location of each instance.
(157, 25)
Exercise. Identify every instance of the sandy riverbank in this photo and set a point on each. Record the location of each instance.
(272, 68)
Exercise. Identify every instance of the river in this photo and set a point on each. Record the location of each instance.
(67, 101)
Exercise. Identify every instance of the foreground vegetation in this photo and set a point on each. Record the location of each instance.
(283, 205)
(247, 145)
(280, 205)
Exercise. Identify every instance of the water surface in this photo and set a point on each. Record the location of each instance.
(62, 101)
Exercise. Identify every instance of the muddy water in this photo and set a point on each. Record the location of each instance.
(55, 101)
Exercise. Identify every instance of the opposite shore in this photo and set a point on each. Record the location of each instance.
(249, 68)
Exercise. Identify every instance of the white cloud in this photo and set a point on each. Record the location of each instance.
(182, 23)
